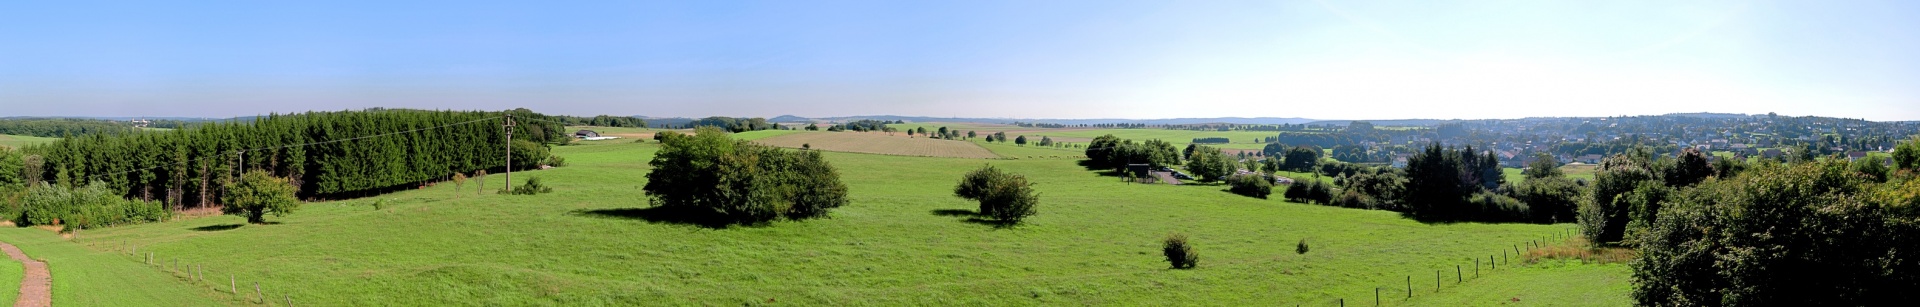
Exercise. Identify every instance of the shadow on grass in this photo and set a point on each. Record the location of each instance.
(660, 215)
(974, 217)
(221, 227)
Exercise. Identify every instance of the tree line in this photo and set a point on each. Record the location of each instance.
(325, 154)
(62, 127)
(602, 121)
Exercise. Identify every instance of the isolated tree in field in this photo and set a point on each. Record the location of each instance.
(1020, 140)
(257, 194)
(943, 131)
(1543, 166)
(715, 177)
(1001, 136)
(813, 127)
(970, 134)
(1006, 197)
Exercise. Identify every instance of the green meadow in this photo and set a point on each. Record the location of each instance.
(18, 141)
(904, 239)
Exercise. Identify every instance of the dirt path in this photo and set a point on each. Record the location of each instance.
(36, 286)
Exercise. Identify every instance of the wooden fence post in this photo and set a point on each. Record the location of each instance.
(1457, 278)
(256, 290)
(233, 285)
(1409, 286)
(1376, 296)
(1436, 281)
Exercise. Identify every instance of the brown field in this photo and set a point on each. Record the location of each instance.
(880, 143)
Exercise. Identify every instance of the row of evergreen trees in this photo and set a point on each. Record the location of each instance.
(326, 154)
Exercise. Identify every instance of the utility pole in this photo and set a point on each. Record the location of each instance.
(508, 184)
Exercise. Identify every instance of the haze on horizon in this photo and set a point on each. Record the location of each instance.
(1322, 59)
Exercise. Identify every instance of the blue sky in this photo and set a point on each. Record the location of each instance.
(1026, 59)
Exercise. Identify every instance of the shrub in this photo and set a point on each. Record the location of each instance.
(1813, 234)
(1253, 185)
(379, 204)
(1179, 253)
(1003, 196)
(1309, 191)
(459, 180)
(1491, 207)
(528, 155)
(258, 193)
(92, 206)
(533, 186)
(556, 161)
(738, 182)
(1302, 248)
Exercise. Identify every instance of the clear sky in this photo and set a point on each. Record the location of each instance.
(1324, 59)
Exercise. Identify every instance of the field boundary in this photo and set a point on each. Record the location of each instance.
(36, 283)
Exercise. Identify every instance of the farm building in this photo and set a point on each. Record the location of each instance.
(586, 134)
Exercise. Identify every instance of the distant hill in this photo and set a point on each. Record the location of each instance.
(1709, 115)
(1387, 122)
(1166, 121)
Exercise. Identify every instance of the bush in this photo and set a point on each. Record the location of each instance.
(556, 161)
(1302, 248)
(1814, 234)
(737, 182)
(1006, 197)
(459, 180)
(92, 206)
(533, 186)
(528, 155)
(1491, 207)
(1253, 185)
(258, 193)
(1179, 253)
(1309, 191)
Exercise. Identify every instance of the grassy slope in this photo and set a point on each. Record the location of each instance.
(10, 274)
(86, 275)
(1096, 241)
(1549, 283)
(18, 141)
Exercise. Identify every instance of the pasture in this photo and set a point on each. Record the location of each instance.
(878, 143)
(1237, 139)
(903, 240)
(18, 141)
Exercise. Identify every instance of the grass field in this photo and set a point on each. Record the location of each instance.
(91, 275)
(10, 274)
(879, 143)
(903, 240)
(18, 141)
(1239, 139)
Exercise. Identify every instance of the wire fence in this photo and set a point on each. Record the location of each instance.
(198, 274)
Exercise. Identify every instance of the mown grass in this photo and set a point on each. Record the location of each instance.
(19, 141)
(903, 240)
(93, 275)
(10, 274)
